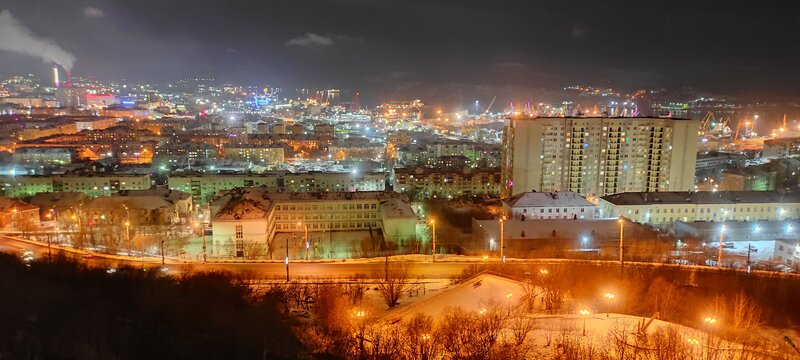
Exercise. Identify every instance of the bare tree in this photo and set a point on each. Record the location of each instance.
(520, 325)
(419, 340)
(471, 335)
(744, 314)
(554, 284)
(384, 341)
(395, 282)
(530, 292)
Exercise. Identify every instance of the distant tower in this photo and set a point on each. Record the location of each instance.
(55, 75)
(356, 105)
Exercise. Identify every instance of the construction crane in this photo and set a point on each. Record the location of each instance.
(706, 121)
(490, 106)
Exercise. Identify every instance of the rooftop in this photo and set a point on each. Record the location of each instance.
(547, 199)
(701, 197)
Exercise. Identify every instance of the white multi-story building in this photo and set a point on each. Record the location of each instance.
(205, 187)
(669, 207)
(548, 205)
(596, 156)
(246, 220)
(92, 185)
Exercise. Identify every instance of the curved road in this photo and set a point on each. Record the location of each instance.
(318, 269)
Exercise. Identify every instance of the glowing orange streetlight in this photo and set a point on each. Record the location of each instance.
(584, 313)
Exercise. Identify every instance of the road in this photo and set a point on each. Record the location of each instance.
(321, 269)
(297, 269)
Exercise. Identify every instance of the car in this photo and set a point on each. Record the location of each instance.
(87, 256)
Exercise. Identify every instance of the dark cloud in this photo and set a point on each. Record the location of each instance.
(438, 46)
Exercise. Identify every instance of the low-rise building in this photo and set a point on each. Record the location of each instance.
(751, 178)
(261, 155)
(247, 220)
(548, 205)
(138, 208)
(204, 187)
(662, 208)
(781, 148)
(769, 242)
(18, 214)
(43, 156)
(424, 182)
(91, 185)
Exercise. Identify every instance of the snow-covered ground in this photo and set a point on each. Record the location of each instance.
(473, 294)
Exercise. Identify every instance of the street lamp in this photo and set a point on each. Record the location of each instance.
(433, 236)
(306, 236)
(609, 298)
(709, 322)
(128, 237)
(202, 226)
(719, 251)
(360, 316)
(502, 238)
(584, 312)
(621, 234)
(509, 296)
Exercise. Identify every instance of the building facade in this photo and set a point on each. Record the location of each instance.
(204, 187)
(261, 155)
(424, 182)
(246, 220)
(665, 208)
(91, 185)
(549, 205)
(599, 156)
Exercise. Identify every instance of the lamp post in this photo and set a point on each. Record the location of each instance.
(584, 312)
(609, 297)
(202, 226)
(287, 259)
(509, 296)
(360, 316)
(128, 237)
(162, 252)
(719, 250)
(306, 236)
(433, 243)
(502, 239)
(621, 242)
(709, 321)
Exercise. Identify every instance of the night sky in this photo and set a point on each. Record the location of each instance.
(453, 50)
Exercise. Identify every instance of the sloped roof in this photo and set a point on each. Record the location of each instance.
(547, 199)
(701, 197)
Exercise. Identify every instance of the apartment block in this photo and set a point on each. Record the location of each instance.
(597, 156)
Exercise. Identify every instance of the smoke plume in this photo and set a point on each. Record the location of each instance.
(15, 37)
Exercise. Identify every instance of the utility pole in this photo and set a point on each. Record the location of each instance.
(502, 239)
(621, 248)
(719, 251)
(306, 238)
(162, 252)
(749, 247)
(287, 259)
(203, 229)
(433, 248)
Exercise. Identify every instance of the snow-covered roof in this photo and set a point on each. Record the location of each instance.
(547, 199)
(396, 208)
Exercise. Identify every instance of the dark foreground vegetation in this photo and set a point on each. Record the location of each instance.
(678, 294)
(61, 309)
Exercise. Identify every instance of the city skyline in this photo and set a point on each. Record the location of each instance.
(448, 53)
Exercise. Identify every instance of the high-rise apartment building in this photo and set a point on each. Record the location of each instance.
(597, 156)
